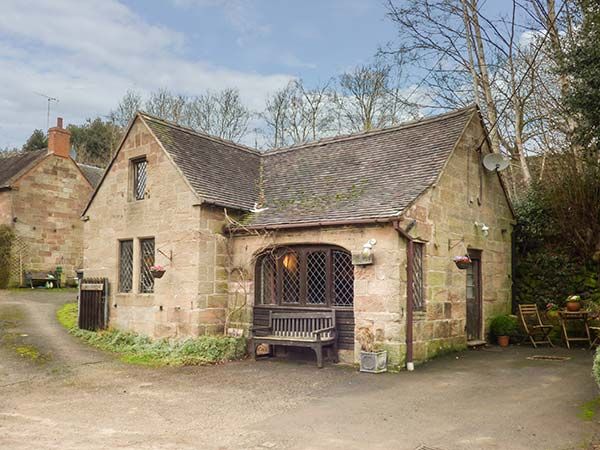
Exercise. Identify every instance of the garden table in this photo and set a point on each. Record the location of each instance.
(577, 316)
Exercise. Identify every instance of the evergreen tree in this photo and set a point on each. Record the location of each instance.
(36, 141)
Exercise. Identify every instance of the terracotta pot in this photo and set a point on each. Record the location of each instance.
(573, 306)
(503, 340)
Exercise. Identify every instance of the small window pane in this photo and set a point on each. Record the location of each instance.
(343, 279)
(140, 176)
(147, 261)
(125, 266)
(291, 277)
(316, 278)
(267, 279)
(417, 273)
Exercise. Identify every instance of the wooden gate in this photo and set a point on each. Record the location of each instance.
(93, 304)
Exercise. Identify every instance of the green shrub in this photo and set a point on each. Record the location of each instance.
(7, 237)
(67, 315)
(504, 325)
(139, 349)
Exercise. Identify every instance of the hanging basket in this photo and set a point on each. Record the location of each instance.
(157, 272)
(462, 262)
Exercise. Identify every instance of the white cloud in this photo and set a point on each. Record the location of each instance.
(88, 54)
(241, 14)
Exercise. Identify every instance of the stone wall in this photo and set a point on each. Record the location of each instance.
(446, 217)
(378, 288)
(189, 299)
(6, 212)
(47, 202)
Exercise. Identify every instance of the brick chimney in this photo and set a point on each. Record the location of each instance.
(59, 140)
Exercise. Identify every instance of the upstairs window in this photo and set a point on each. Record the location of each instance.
(140, 177)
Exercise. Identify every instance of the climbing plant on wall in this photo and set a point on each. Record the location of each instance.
(7, 237)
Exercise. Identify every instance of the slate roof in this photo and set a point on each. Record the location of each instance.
(371, 175)
(92, 173)
(12, 166)
(221, 172)
(361, 177)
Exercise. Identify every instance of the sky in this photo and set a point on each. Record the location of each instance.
(88, 53)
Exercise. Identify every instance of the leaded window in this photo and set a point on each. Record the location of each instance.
(343, 279)
(418, 291)
(305, 276)
(140, 177)
(267, 279)
(125, 266)
(146, 262)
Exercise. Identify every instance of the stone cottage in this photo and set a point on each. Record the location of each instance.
(365, 224)
(42, 194)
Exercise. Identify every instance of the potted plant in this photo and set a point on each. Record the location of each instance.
(157, 271)
(552, 311)
(462, 262)
(372, 358)
(573, 303)
(503, 327)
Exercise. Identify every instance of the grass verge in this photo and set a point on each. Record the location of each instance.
(138, 349)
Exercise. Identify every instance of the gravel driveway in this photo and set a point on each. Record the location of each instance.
(60, 394)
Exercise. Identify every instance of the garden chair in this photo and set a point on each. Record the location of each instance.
(596, 332)
(537, 332)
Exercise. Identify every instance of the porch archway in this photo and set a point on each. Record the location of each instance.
(307, 277)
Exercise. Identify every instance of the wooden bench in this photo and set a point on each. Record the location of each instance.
(41, 277)
(303, 329)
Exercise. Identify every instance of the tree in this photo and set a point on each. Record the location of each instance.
(126, 109)
(492, 60)
(297, 114)
(573, 180)
(368, 97)
(220, 113)
(95, 141)
(36, 141)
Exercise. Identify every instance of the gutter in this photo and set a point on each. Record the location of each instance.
(284, 226)
(409, 294)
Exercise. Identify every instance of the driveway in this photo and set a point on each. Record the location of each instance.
(60, 394)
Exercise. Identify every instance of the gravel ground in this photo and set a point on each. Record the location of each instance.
(60, 394)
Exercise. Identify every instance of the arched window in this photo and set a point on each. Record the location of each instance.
(305, 275)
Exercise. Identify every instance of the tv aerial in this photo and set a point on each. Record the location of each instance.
(50, 100)
(494, 162)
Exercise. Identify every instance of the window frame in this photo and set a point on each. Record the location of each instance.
(120, 288)
(135, 191)
(303, 252)
(144, 268)
(418, 278)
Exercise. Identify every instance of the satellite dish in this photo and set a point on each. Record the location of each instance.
(495, 162)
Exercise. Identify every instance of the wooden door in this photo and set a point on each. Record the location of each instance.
(474, 297)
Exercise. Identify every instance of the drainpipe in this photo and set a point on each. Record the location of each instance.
(409, 295)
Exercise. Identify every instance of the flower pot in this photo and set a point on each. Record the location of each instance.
(573, 306)
(157, 273)
(373, 362)
(503, 341)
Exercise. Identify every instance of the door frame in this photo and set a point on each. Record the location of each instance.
(476, 257)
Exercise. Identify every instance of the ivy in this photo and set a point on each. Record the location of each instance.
(7, 237)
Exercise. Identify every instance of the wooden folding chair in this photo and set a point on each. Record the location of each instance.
(596, 341)
(533, 326)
